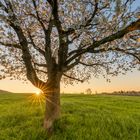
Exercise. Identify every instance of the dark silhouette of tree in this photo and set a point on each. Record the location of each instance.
(88, 91)
(47, 41)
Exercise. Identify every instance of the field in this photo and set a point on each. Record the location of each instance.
(84, 117)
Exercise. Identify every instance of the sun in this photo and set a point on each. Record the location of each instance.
(38, 93)
(37, 98)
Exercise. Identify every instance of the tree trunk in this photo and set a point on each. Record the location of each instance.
(52, 110)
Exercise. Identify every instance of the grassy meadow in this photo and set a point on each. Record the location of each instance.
(84, 117)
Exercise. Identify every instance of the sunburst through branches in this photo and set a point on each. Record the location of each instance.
(37, 98)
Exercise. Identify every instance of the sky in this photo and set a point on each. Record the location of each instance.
(130, 81)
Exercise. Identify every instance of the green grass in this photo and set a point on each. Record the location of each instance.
(84, 117)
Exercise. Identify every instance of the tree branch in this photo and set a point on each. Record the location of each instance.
(31, 74)
(137, 56)
(132, 27)
(87, 23)
(37, 15)
(40, 65)
(17, 46)
(34, 45)
(73, 78)
(38, 70)
(47, 33)
(89, 65)
(63, 39)
(68, 67)
(129, 53)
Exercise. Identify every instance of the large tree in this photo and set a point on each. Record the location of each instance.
(48, 41)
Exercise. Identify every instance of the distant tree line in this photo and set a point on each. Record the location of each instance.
(128, 93)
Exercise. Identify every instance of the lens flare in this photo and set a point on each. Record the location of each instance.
(37, 98)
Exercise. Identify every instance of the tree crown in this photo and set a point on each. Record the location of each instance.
(76, 39)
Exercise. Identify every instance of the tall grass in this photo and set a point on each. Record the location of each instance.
(84, 117)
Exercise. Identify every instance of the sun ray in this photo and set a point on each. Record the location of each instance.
(37, 98)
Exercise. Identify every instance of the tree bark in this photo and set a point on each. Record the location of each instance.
(52, 110)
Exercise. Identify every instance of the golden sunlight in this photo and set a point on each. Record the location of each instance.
(38, 93)
(37, 98)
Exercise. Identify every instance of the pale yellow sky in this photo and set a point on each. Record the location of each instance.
(130, 81)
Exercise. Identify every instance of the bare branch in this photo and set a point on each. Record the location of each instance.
(40, 65)
(18, 46)
(89, 65)
(68, 67)
(75, 37)
(79, 80)
(38, 70)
